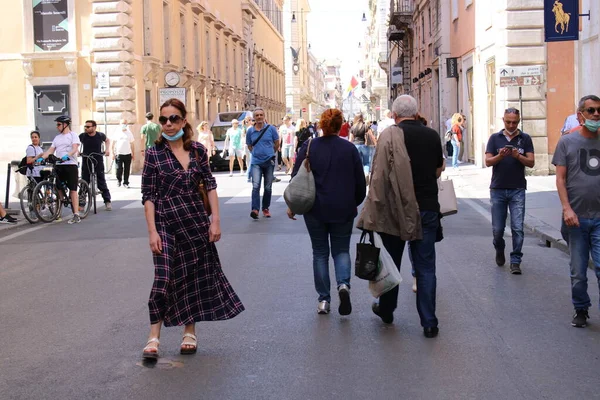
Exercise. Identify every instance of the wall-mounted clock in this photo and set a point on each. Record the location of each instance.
(172, 78)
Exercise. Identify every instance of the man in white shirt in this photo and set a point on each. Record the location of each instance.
(287, 133)
(123, 153)
(386, 122)
(66, 147)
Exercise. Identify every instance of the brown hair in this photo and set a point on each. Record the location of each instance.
(188, 132)
(331, 121)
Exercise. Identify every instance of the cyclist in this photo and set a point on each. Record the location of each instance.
(66, 146)
(92, 141)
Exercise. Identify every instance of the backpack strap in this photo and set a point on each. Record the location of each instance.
(262, 132)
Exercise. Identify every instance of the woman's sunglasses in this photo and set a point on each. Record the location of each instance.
(172, 118)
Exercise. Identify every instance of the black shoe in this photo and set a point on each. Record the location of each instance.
(345, 307)
(8, 219)
(254, 214)
(431, 332)
(500, 259)
(515, 269)
(386, 318)
(580, 318)
(276, 180)
(118, 184)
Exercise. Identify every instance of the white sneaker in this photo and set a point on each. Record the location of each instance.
(75, 220)
(108, 206)
(323, 307)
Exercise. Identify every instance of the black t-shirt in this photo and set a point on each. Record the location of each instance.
(92, 144)
(425, 151)
(359, 131)
(303, 135)
(510, 172)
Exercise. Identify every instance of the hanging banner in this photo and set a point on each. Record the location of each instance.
(50, 24)
(561, 20)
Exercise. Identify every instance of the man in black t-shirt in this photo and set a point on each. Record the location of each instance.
(92, 143)
(425, 151)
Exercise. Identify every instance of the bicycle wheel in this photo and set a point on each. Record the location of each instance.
(46, 201)
(26, 200)
(93, 190)
(85, 198)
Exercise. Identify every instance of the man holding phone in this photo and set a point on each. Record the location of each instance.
(509, 152)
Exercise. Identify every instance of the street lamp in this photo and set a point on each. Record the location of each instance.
(293, 17)
(364, 18)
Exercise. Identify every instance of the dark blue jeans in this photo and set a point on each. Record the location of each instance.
(583, 239)
(321, 234)
(503, 200)
(258, 171)
(422, 253)
(365, 156)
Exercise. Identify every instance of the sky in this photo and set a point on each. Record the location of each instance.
(334, 31)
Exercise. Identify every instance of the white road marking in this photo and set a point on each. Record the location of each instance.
(135, 204)
(485, 213)
(241, 197)
(24, 232)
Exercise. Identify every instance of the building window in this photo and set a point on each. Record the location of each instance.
(454, 10)
(208, 54)
(207, 111)
(234, 67)
(197, 109)
(490, 76)
(183, 40)
(227, 63)
(196, 48)
(166, 32)
(147, 30)
(148, 101)
(218, 59)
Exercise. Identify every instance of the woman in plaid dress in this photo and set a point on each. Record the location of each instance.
(189, 284)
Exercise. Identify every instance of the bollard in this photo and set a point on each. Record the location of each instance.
(7, 188)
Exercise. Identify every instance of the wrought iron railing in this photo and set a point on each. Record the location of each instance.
(402, 6)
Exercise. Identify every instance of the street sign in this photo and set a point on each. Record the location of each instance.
(165, 94)
(521, 76)
(103, 82)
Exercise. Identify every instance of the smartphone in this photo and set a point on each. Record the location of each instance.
(509, 146)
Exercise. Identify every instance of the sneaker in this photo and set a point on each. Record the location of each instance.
(118, 184)
(515, 269)
(8, 219)
(276, 179)
(75, 220)
(500, 259)
(108, 206)
(580, 318)
(323, 307)
(414, 286)
(254, 214)
(230, 175)
(266, 213)
(345, 307)
(386, 318)
(126, 185)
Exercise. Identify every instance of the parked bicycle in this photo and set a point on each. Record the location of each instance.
(93, 183)
(26, 199)
(48, 200)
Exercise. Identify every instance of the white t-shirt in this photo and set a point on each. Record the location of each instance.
(384, 124)
(122, 141)
(34, 151)
(63, 144)
(286, 134)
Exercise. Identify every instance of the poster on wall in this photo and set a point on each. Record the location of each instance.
(165, 94)
(50, 24)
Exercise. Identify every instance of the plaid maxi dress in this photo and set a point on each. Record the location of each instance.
(189, 284)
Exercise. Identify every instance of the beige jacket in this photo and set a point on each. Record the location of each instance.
(391, 205)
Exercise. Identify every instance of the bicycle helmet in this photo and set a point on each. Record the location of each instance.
(65, 119)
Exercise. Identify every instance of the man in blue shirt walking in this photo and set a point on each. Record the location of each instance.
(263, 141)
(509, 152)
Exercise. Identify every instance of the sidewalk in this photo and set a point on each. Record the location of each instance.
(542, 208)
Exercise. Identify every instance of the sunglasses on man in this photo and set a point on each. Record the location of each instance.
(592, 110)
(171, 118)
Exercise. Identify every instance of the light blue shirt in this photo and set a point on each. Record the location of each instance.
(263, 150)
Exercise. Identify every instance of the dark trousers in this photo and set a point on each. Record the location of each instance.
(100, 178)
(123, 162)
(422, 253)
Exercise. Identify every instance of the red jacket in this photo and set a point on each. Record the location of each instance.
(345, 131)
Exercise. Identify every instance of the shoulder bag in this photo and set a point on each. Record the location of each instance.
(262, 132)
(300, 193)
(202, 189)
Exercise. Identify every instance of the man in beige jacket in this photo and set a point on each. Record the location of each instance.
(410, 210)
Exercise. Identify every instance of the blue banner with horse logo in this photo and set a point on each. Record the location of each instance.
(561, 20)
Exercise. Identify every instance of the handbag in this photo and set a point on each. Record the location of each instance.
(202, 190)
(447, 197)
(366, 265)
(300, 193)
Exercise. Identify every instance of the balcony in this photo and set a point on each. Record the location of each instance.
(382, 60)
(401, 13)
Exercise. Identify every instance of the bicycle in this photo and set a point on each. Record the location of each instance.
(47, 200)
(93, 183)
(26, 200)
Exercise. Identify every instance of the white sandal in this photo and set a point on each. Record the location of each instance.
(151, 352)
(188, 350)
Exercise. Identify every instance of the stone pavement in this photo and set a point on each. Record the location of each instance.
(542, 208)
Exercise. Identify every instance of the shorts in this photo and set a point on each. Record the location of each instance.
(287, 151)
(69, 174)
(236, 152)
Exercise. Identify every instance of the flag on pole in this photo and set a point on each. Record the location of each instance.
(353, 84)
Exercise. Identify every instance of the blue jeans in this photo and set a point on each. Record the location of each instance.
(583, 239)
(365, 156)
(258, 171)
(455, 151)
(502, 200)
(321, 234)
(422, 253)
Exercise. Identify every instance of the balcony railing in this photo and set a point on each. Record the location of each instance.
(404, 7)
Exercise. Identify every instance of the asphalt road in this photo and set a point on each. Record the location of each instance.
(74, 319)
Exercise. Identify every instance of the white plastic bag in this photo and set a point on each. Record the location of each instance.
(388, 276)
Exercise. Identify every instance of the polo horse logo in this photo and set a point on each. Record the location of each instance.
(561, 17)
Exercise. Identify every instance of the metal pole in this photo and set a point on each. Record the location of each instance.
(7, 187)
(105, 129)
(521, 105)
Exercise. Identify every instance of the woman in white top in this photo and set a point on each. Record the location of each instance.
(206, 137)
(33, 152)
